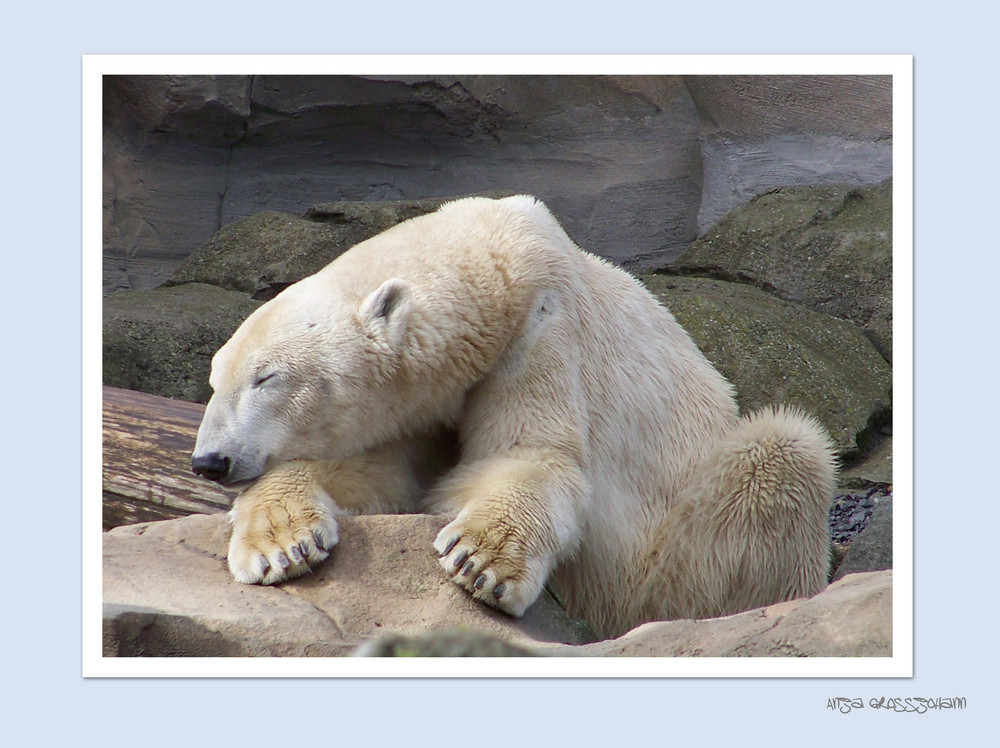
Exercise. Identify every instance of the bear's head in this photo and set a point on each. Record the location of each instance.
(307, 376)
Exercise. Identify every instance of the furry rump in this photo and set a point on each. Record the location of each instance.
(750, 527)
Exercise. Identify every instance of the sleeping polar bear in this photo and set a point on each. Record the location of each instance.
(596, 447)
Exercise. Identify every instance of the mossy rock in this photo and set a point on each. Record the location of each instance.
(826, 247)
(266, 252)
(162, 341)
(775, 351)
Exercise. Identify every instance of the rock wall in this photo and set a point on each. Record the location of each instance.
(759, 132)
(635, 166)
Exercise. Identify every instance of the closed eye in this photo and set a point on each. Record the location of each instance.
(261, 378)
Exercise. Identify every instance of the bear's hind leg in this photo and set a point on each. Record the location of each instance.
(516, 518)
(750, 527)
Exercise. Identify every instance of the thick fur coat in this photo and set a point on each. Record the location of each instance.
(596, 447)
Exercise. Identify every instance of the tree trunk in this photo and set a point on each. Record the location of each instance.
(147, 460)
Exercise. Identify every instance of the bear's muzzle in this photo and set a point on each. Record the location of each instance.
(213, 465)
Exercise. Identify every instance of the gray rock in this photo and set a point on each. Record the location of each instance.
(167, 592)
(775, 351)
(761, 106)
(872, 549)
(873, 469)
(828, 247)
(162, 341)
(208, 110)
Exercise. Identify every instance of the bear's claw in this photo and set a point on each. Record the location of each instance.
(279, 536)
(493, 572)
(276, 566)
(451, 544)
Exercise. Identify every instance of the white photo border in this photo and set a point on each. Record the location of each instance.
(900, 67)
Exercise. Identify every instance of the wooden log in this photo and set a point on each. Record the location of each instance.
(147, 460)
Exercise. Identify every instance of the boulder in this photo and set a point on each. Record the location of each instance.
(264, 253)
(874, 468)
(827, 247)
(261, 255)
(162, 341)
(775, 351)
(167, 592)
(872, 549)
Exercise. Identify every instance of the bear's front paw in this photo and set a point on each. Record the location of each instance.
(493, 562)
(280, 533)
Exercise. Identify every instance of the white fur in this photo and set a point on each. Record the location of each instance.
(599, 449)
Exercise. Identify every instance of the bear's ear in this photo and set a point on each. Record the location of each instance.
(385, 310)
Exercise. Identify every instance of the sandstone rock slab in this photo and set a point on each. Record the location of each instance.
(851, 618)
(167, 592)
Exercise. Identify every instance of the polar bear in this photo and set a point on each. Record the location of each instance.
(475, 362)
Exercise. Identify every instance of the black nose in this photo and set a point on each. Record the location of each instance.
(212, 466)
